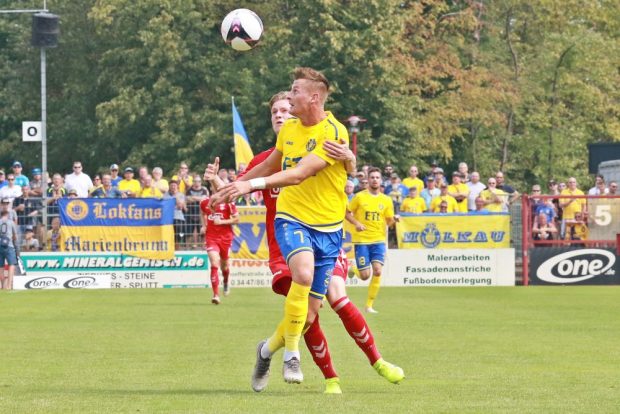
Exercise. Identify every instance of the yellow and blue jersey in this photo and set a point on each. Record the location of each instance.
(318, 202)
(372, 211)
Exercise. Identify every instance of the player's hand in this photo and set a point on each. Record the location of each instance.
(212, 170)
(360, 227)
(338, 150)
(397, 218)
(217, 221)
(234, 190)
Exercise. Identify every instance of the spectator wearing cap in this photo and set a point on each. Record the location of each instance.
(396, 191)
(464, 170)
(30, 243)
(459, 191)
(359, 176)
(159, 181)
(129, 187)
(444, 197)
(439, 178)
(599, 186)
(36, 184)
(431, 173)
(431, 192)
(5, 205)
(413, 203)
(413, 180)
(114, 175)
(20, 179)
(78, 180)
(11, 190)
(72, 193)
(3, 181)
(475, 188)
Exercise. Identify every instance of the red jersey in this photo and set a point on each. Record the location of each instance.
(270, 198)
(223, 211)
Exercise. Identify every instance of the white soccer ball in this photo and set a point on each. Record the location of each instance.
(242, 28)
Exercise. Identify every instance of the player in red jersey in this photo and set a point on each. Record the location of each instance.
(351, 317)
(219, 236)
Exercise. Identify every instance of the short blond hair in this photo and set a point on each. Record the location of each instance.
(278, 97)
(317, 78)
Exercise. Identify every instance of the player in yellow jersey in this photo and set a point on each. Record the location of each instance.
(310, 208)
(413, 203)
(371, 212)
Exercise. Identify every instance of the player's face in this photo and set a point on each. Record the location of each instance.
(280, 112)
(300, 97)
(374, 180)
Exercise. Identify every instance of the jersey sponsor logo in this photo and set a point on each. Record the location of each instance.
(289, 142)
(214, 216)
(577, 266)
(311, 144)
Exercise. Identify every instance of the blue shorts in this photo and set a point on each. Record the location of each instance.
(294, 237)
(365, 254)
(8, 254)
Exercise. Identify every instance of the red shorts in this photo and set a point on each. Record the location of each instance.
(282, 279)
(220, 246)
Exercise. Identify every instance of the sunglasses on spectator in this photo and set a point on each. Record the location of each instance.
(535, 191)
(75, 167)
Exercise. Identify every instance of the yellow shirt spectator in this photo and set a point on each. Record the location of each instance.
(414, 182)
(452, 204)
(461, 189)
(151, 192)
(415, 205)
(576, 204)
(489, 195)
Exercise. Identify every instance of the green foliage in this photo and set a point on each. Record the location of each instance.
(521, 86)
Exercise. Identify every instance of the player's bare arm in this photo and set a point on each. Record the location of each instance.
(271, 165)
(351, 219)
(307, 167)
(340, 151)
(234, 219)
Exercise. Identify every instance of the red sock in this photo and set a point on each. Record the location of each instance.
(317, 345)
(215, 281)
(226, 273)
(356, 326)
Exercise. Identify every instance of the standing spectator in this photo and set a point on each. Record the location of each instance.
(55, 192)
(396, 191)
(6, 206)
(459, 191)
(464, 170)
(475, 188)
(541, 206)
(114, 175)
(30, 243)
(129, 187)
(78, 180)
(158, 180)
(494, 199)
(388, 170)
(501, 185)
(431, 192)
(413, 203)
(53, 242)
(359, 176)
(3, 181)
(232, 175)
(613, 188)
(11, 191)
(97, 185)
(8, 248)
(27, 210)
(36, 184)
(20, 179)
(184, 179)
(444, 198)
(179, 209)
(193, 197)
(106, 190)
(571, 206)
(413, 180)
(599, 186)
(554, 190)
(364, 186)
(150, 190)
(431, 173)
(562, 187)
(348, 189)
(439, 178)
(143, 171)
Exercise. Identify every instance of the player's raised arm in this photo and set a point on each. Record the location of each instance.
(340, 151)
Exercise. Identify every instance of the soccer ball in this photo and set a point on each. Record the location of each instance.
(241, 28)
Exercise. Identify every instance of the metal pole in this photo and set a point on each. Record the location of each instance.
(44, 176)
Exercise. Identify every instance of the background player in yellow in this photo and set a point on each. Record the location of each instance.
(371, 211)
(310, 209)
(444, 196)
(459, 191)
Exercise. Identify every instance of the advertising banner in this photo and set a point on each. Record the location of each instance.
(450, 267)
(100, 270)
(453, 231)
(140, 227)
(573, 266)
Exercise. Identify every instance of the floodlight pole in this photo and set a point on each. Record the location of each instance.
(354, 122)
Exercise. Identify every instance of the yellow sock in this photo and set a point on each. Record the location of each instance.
(276, 341)
(295, 313)
(373, 290)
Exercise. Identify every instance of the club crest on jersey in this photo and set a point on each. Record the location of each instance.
(311, 144)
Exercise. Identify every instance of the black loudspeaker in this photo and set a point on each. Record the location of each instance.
(45, 30)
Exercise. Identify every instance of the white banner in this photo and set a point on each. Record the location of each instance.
(450, 267)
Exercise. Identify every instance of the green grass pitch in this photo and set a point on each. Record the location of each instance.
(464, 350)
